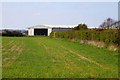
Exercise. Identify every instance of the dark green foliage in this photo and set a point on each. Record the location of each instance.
(12, 33)
(80, 27)
(109, 36)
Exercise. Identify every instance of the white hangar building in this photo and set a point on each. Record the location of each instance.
(45, 30)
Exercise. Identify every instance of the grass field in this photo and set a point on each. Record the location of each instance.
(44, 57)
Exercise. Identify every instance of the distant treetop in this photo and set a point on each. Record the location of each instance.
(80, 27)
(108, 23)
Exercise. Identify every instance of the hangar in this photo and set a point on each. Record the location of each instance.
(45, 30)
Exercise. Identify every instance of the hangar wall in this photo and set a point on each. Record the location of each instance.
(31, 32)
(49, 31)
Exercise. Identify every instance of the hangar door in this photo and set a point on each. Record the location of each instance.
(41, 32)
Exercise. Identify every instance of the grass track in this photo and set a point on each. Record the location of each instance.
(40, 57)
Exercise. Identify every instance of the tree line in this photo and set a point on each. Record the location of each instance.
(81, 32)
(14, 33)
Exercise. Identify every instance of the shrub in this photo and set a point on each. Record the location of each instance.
(109, 36)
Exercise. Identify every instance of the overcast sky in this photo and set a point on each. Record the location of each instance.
(25, 14)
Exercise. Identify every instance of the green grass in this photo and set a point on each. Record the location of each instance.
(44, 57)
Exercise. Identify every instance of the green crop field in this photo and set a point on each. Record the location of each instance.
(44, 57)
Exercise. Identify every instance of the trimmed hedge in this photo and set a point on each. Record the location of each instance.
(109, 36)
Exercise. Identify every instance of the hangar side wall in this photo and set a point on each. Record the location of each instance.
(49, 31)
(61, 29)
(31, 32)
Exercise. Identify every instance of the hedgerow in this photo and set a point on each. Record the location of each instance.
(108, 36)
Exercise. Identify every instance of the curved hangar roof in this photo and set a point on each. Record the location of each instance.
(53, 26)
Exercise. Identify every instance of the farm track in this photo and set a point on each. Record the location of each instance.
(81, 57)
(51, 58)
(68, 63)
(71, 53)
